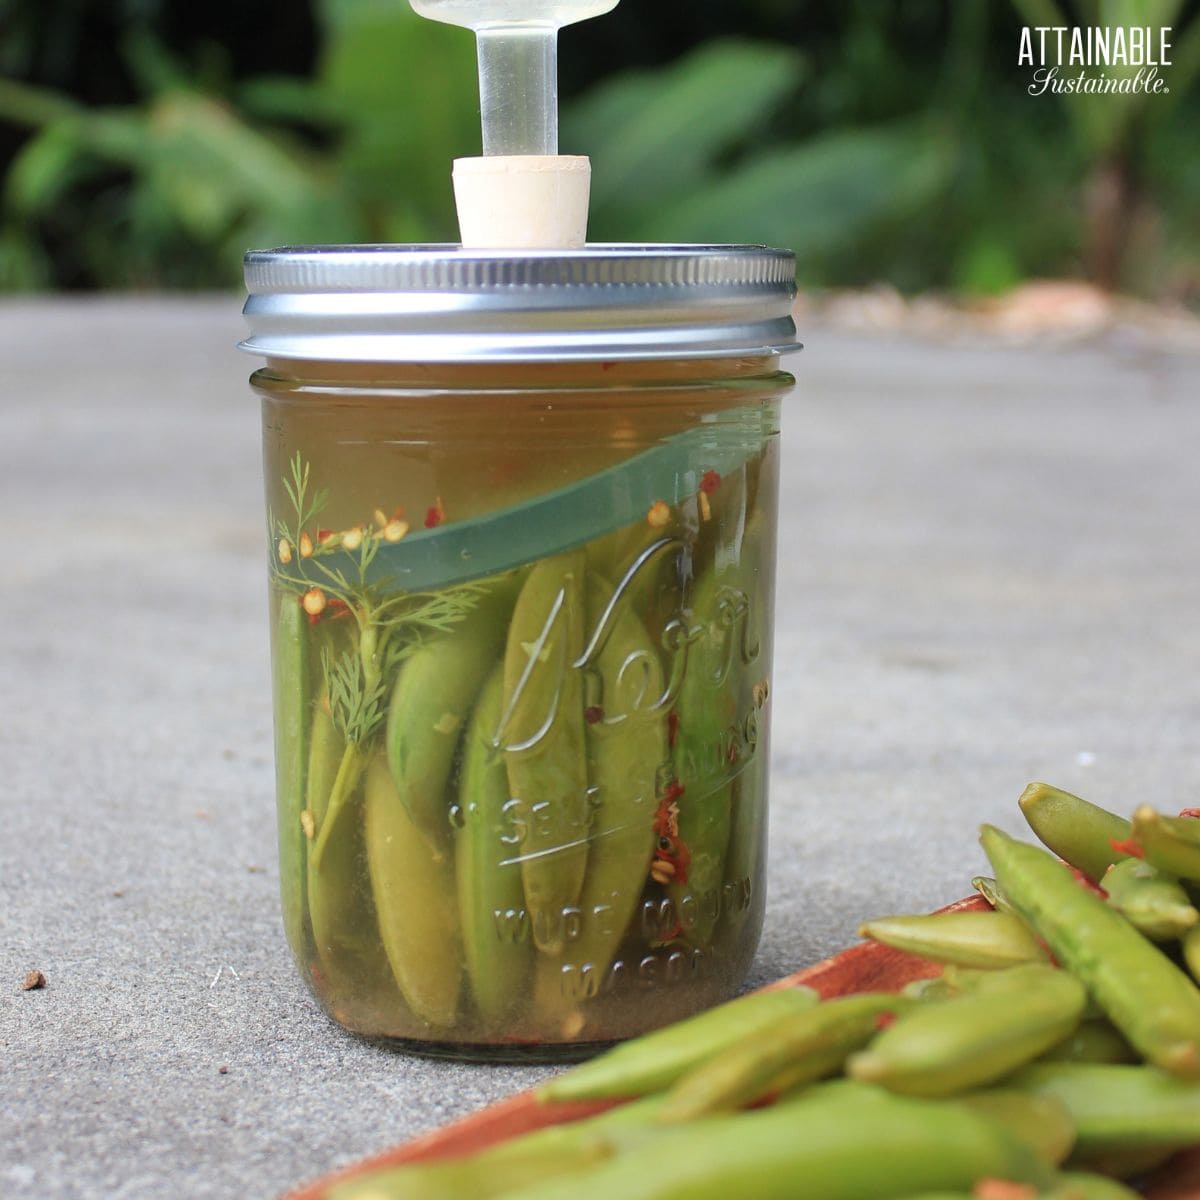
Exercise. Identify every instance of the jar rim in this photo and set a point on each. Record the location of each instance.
(441, 303)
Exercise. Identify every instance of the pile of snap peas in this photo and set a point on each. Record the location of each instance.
(1056, 1057)
(480, 790)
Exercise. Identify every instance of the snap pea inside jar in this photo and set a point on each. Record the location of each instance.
(522, 507)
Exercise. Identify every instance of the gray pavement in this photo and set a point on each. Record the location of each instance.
(990, 572)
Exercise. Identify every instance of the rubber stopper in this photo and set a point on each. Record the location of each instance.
(523, 202)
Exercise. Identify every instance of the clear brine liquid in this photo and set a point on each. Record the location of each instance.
(526, 809)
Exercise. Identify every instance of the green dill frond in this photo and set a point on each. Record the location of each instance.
(435, 612)
(357, 709)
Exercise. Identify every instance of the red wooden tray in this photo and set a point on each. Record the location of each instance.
(868, 967)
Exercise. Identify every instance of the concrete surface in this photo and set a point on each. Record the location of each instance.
(990, 574)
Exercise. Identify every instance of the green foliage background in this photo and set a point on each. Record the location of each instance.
(882, 139)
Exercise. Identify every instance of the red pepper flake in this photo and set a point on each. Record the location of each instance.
(667, 938)
(1084, 882)
(593, 713)
(1190, 812)
(323, 535)
(673, 790)
(885, 1020)
(666, 819)
(435, 516)
(683, 860)
(1128, 846)
(672, 858)
(672, 729)
(732, 753)
(709, 482)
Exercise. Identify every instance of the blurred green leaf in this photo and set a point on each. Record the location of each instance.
(198, 174)
(154, 69)
(45, 167)
(406, 91)
(987, 266)
(23, 264)
(818, 197)
(336, 15)
(654, 134)
(902, 146)
(287, 98)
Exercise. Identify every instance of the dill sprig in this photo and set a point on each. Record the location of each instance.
(306, 508)
(357, 708)
(391, 625)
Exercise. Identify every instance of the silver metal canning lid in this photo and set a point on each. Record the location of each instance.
(444, 304)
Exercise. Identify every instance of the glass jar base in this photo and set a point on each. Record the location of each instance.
(498, 1053)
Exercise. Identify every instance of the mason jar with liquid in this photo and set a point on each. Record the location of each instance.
(521, 518)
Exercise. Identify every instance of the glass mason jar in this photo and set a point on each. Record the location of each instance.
(522, 521)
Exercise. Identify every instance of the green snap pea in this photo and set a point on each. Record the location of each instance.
(1043, 1122)
(958, 981)
(430, 703)
(1191, 952)
(656, 1060)
(722, 642)
(1078, 831)
(626, 739)
(326, 747)
(831, 1145)
(615, 554)
(799, 1049)
(420, 932)
(1027, 975)
(1083, 1185)
(1117, 1107)
(478, 1177)
(968, 939)
(1149, 999)
(1095, 1041)
(989, 889)
(743, 901)
(293, 720)
(556, 1150)
(1170, 843)
(948, 1047)
(936, 987)
(705, 709)
(1153, 902)
(499, 951)
(1080, 1185)
(542, 733)
(342, 927)
(625, 1123)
